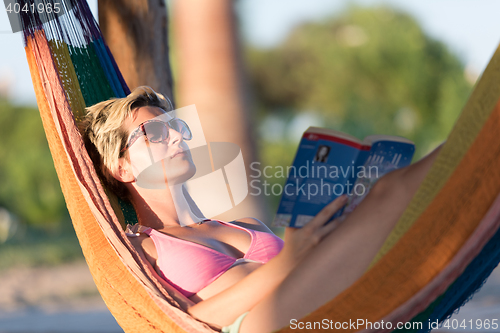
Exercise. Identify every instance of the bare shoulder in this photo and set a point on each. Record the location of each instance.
(252, 223)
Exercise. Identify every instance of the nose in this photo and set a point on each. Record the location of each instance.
(175, 137)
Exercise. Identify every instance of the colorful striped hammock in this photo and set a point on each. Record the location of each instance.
(441, 251)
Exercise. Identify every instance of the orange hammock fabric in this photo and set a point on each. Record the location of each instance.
(133, 304)
(446, 236)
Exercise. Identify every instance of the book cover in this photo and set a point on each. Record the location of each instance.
(329, 164)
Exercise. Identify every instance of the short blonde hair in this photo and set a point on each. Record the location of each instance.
(104, 135)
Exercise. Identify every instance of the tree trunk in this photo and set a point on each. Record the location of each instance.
(211, 77)
(136, 32)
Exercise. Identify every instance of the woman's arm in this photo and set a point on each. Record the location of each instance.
(223, 308)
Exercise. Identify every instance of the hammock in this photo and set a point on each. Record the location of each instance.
(440, 252)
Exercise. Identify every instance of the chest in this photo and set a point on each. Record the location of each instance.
(231, 241)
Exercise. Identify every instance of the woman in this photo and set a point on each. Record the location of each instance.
(232, 279)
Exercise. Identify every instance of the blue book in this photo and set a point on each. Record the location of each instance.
(329, 164)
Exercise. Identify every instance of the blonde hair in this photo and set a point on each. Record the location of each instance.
(104, 136)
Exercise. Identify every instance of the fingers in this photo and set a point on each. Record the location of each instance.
(326, 213)
(301, 240)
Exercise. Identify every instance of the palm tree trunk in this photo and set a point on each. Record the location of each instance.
(211, 76)
(137, 34)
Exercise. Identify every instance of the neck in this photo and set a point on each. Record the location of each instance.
(164, 208)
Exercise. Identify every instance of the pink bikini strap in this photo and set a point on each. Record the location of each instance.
(136, 230)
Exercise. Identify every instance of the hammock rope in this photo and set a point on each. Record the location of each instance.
(441, 251)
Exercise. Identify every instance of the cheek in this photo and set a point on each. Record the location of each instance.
(139, 158)
(142, 155)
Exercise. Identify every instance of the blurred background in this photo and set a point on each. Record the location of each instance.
(362, 67)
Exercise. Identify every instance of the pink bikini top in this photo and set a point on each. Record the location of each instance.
(190, 267)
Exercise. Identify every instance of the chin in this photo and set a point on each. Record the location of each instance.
(181, 173)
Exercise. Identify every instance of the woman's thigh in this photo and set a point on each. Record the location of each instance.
(343, 256)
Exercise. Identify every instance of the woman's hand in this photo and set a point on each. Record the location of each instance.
(299, 241)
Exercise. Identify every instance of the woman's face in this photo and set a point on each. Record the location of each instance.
(156, 164)
(323, 151)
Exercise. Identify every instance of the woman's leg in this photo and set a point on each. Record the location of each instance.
(342, 256)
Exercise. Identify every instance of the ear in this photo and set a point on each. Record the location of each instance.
(123, 172)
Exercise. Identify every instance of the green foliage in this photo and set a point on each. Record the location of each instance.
(28, 183)
(366, 71)
(35, 246)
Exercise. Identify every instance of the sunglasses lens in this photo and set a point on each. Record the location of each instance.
(156, 131)
(181, 127)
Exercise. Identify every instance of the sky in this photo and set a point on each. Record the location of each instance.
(471, 29)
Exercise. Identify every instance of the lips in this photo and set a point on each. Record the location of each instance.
(180, 152)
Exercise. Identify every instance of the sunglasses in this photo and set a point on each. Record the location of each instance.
(158, 131)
